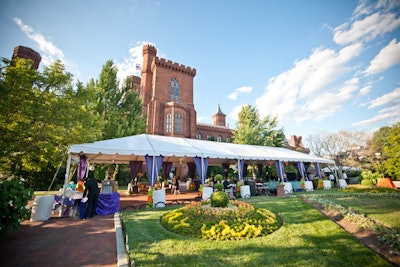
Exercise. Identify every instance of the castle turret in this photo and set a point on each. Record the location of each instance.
(145, 91)
(27, 53)
(219, 117)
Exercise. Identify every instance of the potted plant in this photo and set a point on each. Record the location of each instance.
(219, 187)
(219, 178)
(280, 189)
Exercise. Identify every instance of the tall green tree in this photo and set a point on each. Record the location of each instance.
(41, 115)
(120, 107)
(383, 151)
(253, 130)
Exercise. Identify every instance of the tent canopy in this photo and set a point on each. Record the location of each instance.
(177, 149)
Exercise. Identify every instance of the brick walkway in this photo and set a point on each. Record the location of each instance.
(69, 241)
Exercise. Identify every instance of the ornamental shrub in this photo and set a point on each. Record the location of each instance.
(14, 198)
(238, 221)
(366, 182)
(219, 199)
(219, 177)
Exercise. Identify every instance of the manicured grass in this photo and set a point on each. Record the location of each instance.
(306, 238)
(383, 210)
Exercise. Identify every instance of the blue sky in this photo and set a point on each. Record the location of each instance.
(320, 66)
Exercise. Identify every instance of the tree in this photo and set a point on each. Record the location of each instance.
(252, 130)
(345, 147)
(41, 115)
(120, 108)
(383, 151)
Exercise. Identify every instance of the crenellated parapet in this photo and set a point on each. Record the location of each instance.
(149, 49)
(168, 64)
(27, 53)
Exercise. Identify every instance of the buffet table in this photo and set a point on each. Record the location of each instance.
(107, 203)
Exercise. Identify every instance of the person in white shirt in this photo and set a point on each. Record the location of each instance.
(345, 177)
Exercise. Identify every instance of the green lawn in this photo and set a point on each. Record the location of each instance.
(306, 238)
(383, 210)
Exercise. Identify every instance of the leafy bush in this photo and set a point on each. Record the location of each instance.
(14, 198)
(368, 175)
(366, 183)
(239, 220)
(219, 187)
(219, 177)
(219, 199)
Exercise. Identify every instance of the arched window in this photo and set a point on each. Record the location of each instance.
(198, 136)
(174, 90)
(219, 138)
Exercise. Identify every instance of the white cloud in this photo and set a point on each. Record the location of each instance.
(302, 93)
(392, 115)
(128, 66)
(235, 111)
(365, 90)
(48, 50)
(386, 58)
(243, 89)
(393, 96)
(366, 29)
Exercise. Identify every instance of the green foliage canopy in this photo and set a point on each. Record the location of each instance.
(121, 108)
(41, 115)
(252, 130)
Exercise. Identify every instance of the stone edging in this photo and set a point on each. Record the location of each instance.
(122, 255)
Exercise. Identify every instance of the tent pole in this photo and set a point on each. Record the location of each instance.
(203, 179)
(65, 185)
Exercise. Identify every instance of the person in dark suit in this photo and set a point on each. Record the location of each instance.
(92, 193)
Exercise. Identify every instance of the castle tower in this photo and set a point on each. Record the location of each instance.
(27, 53)
(219, 117)
(166, 90)
(145, 91)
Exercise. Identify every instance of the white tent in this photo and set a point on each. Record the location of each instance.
(183, 150)
(176, 149)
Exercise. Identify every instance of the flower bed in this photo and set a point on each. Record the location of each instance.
(232, 223)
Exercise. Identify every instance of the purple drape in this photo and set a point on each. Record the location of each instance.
(240, 169)
(136, 167)
(82, 167)
(318, 169)
(201, 166)
(153, 164)
(301, 169)
(166, 167)
(280, 169)
(191, 169)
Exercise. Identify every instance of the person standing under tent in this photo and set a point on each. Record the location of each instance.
(176, 184)
(92, 193)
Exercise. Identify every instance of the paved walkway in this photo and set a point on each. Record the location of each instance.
(69, 241)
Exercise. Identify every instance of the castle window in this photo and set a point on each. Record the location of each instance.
(168, 123)
(177, 123)
(174, 90)
(198, 136)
